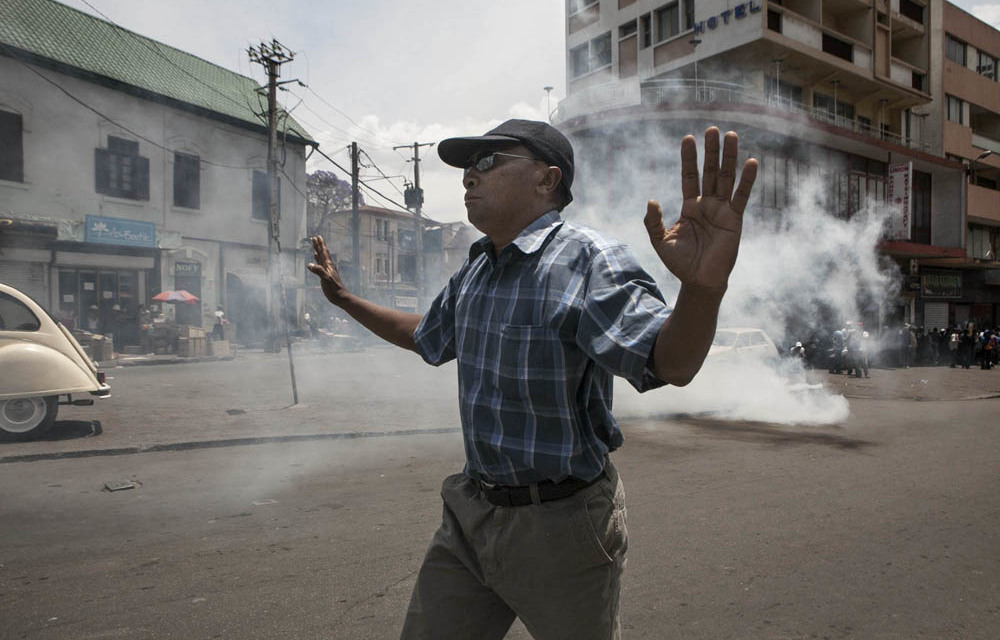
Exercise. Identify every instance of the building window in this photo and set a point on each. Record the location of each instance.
(955, 109)
(824, 107)
(864, 124)
(917, 81)
(187, 181)
(120, 171)
(11, 147)
(773, 20)
(591, 56)
(381, 266)
(911, 10)
(627, 29)
(667, 22)
(381, 229)
(262, 196)
(837, 47)
(688, 15)
(987, 65)
(783, 93)
(645, 31)
(576, 6)
(955, 50)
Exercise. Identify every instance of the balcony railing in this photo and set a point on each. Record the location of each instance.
(687, 91)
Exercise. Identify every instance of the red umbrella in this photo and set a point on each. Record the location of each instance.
(177, 296)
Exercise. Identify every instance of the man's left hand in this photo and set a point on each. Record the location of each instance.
(701, 248)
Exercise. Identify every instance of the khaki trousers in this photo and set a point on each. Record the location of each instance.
(556, 565)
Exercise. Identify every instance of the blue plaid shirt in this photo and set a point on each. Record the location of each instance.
(539, 334)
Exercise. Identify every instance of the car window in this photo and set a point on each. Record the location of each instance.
(757, 339)
(724, 338)
(744, 340)
(15, 316)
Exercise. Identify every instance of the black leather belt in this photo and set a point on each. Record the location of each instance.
(512, 496)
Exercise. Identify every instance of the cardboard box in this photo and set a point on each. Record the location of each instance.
(218, 348)
(189, 331)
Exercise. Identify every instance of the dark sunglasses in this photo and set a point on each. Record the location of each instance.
(485, 163)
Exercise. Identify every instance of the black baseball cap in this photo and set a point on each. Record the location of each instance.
(541, 138)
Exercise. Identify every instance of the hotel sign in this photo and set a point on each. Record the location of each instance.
(119, 231)
(738, 12)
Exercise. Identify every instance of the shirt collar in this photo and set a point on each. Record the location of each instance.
(530, 240)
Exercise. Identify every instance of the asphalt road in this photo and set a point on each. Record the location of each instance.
(883, 525)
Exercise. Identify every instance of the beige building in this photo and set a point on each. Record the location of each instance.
(967, 114)
(837, 92)
(388, 254)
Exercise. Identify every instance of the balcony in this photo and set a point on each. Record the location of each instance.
(686, 92)
(984, 204)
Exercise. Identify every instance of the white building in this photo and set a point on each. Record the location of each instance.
(836, 92)
(128, 167)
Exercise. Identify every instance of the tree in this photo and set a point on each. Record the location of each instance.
(326, 194)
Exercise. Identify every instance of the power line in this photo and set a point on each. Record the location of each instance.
(330, 124)
(382, 172)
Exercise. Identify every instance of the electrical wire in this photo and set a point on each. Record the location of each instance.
(382, 173)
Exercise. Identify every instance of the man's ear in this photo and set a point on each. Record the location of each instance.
(550, 180)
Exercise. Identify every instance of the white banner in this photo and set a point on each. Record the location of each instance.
(898, 200)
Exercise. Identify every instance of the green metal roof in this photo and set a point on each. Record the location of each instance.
(52, 34)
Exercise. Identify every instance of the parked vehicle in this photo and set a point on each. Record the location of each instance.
(740, 343)
(42, 366)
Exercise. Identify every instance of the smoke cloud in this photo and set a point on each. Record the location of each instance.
(801, 273)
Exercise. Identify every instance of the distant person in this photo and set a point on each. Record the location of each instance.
(798, 351)
(953, 339)
(93, 319)
(540, 317)
(218, 329)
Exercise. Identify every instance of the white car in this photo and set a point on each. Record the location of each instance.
(738, 342)
(40, 363)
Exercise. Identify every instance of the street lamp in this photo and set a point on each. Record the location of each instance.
(694, 42)
(548, 100)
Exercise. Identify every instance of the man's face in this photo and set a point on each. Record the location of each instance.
(503, 200)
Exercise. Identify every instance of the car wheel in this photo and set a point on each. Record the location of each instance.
(25, 418)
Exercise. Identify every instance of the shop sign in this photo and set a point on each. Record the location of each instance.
(187, 269)
(118, 231)
(898, 200)
(941, 284)
(738, 12)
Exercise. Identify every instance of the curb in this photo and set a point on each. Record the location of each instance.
(216, 444)
(144, 362)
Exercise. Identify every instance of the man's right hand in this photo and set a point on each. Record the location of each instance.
(329, 277)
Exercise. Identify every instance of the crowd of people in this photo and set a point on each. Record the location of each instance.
(851, 349)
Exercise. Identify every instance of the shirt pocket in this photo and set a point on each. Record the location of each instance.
(531, 365)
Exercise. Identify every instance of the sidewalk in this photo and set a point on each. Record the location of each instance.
(915, 383)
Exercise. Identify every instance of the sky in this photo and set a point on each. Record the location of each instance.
(387, 73)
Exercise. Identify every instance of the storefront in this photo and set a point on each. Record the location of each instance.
(101, 283)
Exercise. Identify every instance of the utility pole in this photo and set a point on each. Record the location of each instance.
(355, 219)
(415, 197)
(271, 57)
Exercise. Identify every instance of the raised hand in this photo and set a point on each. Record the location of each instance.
(329, 277)
(701, 248)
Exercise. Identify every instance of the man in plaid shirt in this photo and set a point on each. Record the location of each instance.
(540, 318)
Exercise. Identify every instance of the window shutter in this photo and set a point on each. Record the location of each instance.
(102, 158)
(11, 147)
(141, 178)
